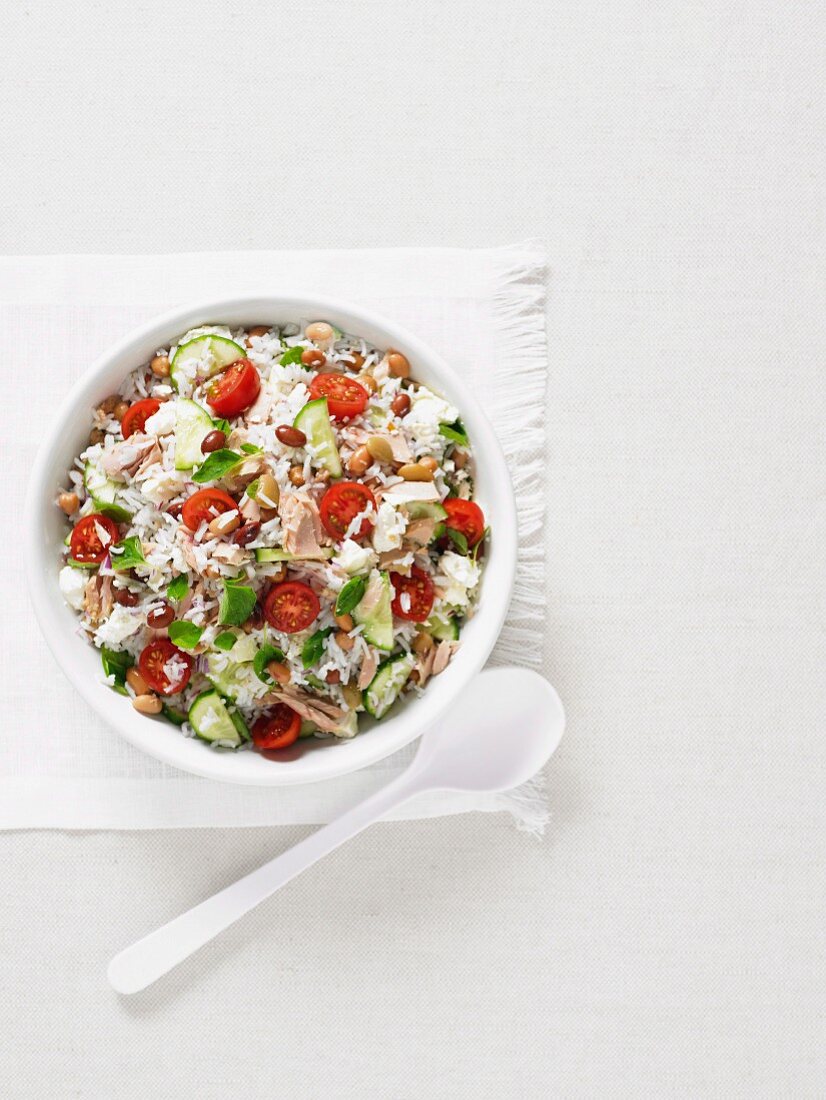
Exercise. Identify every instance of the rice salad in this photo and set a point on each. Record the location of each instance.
(272, 532)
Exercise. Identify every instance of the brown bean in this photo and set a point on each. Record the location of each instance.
(160, 617)
(69, 502)
(247, 534)
(290, 436)
(296, 475)
(359, 461)
(459, 459)
(213, 441)
(357, 363)
(109, 403)
(267, 495)
(160, 365)
(398, 364)
(414, 471)
(429, 463)
(96, 436)
(147, 704)
(344, 641)
(120, 410)
(422, 643)
(279, 672)
(175, 510)
(400, 404)
(369, 382)
(380, 449)
(255, 621)
(136, 682)
(320, 333)
(333, 676)
(313, 357)
(124, 597)
(256, 330)
(344, 622)
(225, 524)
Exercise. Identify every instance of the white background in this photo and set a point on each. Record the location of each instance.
(667, 937)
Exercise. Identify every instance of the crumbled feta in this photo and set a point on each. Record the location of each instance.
(463, 575)
(163, 421)
(163, 485)
(121, 624)
(72, 584)
(353, 558)
(389, 529)
(426, 413)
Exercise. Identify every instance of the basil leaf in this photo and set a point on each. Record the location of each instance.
(458, 539)
(185, 635)
(222, 426)
(291, 355)
(127, 554)
(455, 432)
(171, 714)
(216, 465)
(314, 647)
(251, 449)
(178, 588)
(115, 663)
(225, 640)
(236, 604)
(262, 658)
(350, 595)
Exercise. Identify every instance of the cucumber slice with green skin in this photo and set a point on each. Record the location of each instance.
(223, 679)
(214, 352)
(192, 425)
(82, 564)
(314, 421)
(211, 720)
(386, 685)
(266, 553)
(104, 493)
(444, 628)
(426, 509)
(176, 717)
(375, 612)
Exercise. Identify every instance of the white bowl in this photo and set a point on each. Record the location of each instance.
(318, 759)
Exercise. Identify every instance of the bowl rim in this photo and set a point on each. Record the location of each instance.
(428, 708)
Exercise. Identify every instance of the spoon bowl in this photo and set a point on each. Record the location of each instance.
(498, 733)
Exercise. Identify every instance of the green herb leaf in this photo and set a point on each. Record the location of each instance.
(178, 588)
(185, 635)
(236, 604)
(216, 465)
(251, 449)
(171, 714)
(225, 640)
(475, 551)
(127, 554)
(458, 539)
(222, 426)
(291, 355)
(350, 595)
(262, 658)
(252, 488)
(314, 647)
(115, 663)
(455, 432)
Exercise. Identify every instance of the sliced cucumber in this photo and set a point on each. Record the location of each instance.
(385, 686)
(208, 351)
(173, 715)
(426, 509)
(375, 612)
(443, 627)
(81, 564)
(211, 720)
(105, 493)
(267, 553)
(314, 421)
(223, 675)
(192, 425)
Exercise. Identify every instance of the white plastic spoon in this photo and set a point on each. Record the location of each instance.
(498, 733)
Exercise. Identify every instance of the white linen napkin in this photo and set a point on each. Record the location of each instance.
(60, 766)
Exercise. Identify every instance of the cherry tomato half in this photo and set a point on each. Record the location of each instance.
(291, 607)
(278, 729)
(341, 504)
(418, 587)
(151, 664)
(346, 398)
(86, 544)
(136, 416)
(466, 517)
(206, 504)
(235, 389)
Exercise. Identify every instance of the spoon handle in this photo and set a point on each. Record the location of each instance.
(151, 957)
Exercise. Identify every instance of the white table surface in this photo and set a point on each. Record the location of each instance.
(667, 937)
